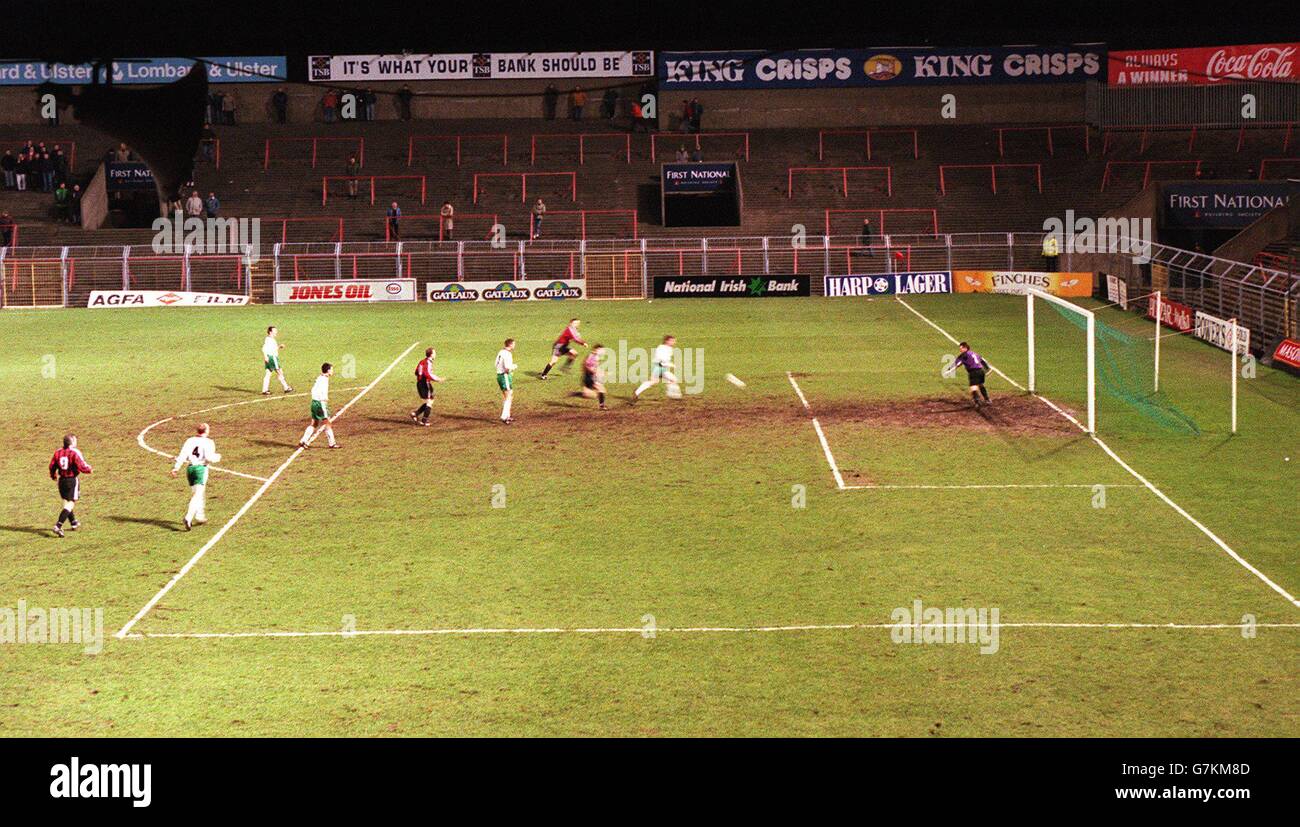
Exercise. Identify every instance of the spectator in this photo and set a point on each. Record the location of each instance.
(682, 155)
(7, 227)
(393, 222)
(638, 117)
(1051, 252)
(697, 155)
(214, 107)
(329, 103)
(549, 100)
(23, 167)
(609, 104)
(404, 98)
(62, 198)
(46, 166)
(448, 213)
(212, 205)
(697, 113)
(122, 154)
(280, 105)
(194, 205)
(686, 115)
(577, 100)
(370, 99)
(60, 163)
(74, 206)
(228, 109)
(539, 212)
(208, 141)
(10, 166)
(352, 170)
(867, 236)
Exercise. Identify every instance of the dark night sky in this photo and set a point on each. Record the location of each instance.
(52, 28)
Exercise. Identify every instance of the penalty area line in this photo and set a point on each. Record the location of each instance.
(697, 630)
(1141, 479)
(817, 426)
(257, 495)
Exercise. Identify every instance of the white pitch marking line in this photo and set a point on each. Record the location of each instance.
(140, 436)
(817, 426)
(1145, 482)
(257, 495)
(998, 485)
(638, 630)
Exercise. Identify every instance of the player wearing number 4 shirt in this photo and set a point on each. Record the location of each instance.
(975, 367)
(424, 380)
(198, 451)
(271, 361)
(66, 468)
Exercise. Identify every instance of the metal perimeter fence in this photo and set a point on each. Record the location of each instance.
(1260, 298)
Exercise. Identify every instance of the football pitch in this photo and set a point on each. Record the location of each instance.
(735, 562)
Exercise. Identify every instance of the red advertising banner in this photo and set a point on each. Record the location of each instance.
(1288, 353)
(1206, 65)
(1172, 314)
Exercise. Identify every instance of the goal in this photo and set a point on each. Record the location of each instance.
(1090, 359)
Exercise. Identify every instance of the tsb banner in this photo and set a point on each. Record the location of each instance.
(888, 284)
(505, 291)
(1206, 65)
(731, 287)
(1016, 281)
(345, 291)
(162, 298)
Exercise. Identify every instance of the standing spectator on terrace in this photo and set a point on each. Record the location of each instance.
(21, 169)
(609, 104)
(74, 205)
(550, 98)
(280, 105)
(208, 140)
(194, 205)
(539, 212)
(228, 104)
(448, 214)
(697, 155)
(7, 227)
(867, 236)
(404, 98)
(1051, 252)
(46, 166)
(212, 205)
(10, 166)
(638, 117)
(697, 114)
(60, 163)
(370, 99)
(577, 100)
(352, 170)
(682, 155)
(393, 218)
(329, 103)
(687, 116)
(122, 154)
(62, 197)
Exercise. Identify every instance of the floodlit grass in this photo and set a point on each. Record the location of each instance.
(664, 515)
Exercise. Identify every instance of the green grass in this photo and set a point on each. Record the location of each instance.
(679, 510)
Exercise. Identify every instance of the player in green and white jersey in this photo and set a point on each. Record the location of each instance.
(320, 412)
(505, 366)
(271, 359)
(661, 370)
(198, 451)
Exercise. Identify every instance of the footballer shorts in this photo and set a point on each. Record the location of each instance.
(561, 349)
(424, 389)
(503, 381)
(197, 475)
(975, 377)
(318, 411)
(589, 380)
(272, 363)
(69, 488)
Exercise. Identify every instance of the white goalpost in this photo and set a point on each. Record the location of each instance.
(1032, 293)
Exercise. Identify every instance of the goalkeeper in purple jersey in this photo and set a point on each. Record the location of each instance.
(975, 367)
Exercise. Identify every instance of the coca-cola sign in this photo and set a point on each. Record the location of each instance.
(1206, 65)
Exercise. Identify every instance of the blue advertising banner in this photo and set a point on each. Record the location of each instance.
(701, 177)
(257, 69)
(126, 176)
(820, 68)
(1221, 205)
(888, 284)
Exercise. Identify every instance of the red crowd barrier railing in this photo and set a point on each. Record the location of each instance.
(1263, 164)
(1146, 175)
(354, 270)
(844, 177)
(993, 173)
(441, 221)
(891, 254)
(883, 215)
(621, 137)
(315, 147)
(867, 134)
(582, 219)
(523, 179)
(335, 221)
(324, 184)
(1049, 131)
(459, 142)
(1286, 140)
(683, 137)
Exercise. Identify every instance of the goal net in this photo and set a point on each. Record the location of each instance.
(1072, 354)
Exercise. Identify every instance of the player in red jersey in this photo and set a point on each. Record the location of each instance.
(593, 376)
(564, 347)
(424, 379)
(66, 467)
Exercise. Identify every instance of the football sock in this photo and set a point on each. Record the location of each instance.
(266, 381)
(547, 369)
(329, 434)
(283, 383)
(600, 397)
(984, 393)
(641, 388)
(505, 409)
(63, 515)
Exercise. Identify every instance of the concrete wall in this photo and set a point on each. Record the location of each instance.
(729, 109)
